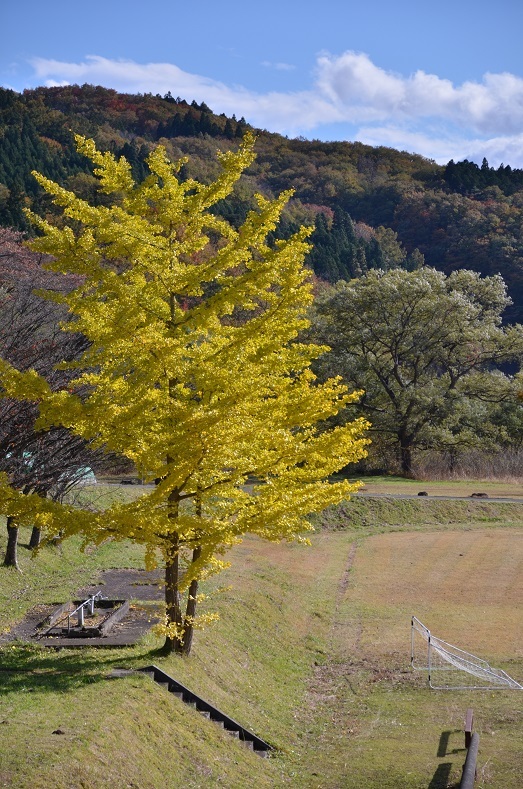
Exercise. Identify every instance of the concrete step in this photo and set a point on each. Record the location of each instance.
(119, 673)
(236, 730)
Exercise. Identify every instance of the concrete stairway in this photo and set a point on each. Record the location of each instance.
(238, 731)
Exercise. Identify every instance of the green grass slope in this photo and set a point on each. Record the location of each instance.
(311, 653)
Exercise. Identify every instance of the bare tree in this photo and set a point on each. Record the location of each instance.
(48, 463)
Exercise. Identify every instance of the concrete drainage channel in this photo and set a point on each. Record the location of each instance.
(249, 739)
(100, 614)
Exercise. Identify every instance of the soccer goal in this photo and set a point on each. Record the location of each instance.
(437, 658)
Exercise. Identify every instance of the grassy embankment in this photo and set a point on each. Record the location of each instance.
(311, 652)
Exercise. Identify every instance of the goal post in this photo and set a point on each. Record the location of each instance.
(433, 655)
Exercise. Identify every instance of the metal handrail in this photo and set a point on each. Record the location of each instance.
(80, 610)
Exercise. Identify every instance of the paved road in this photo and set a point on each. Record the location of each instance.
(489, 499)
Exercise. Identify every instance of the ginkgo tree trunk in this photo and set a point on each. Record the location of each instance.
(194, 372)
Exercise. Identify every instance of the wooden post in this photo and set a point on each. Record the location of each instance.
(469, 723)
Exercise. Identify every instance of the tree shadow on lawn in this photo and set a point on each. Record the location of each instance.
(26, 668)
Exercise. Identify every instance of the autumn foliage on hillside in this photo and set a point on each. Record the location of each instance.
(459, 216)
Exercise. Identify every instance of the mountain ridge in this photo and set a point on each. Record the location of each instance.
(372, 207)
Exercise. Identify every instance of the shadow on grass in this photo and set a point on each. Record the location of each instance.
(443, 746)
(26, 668)
(440, 779)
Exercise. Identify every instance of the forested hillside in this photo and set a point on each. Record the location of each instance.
(372, 207)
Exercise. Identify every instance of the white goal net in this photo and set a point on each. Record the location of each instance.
(432, 654)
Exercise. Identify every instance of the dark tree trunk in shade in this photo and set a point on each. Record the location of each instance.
(190, 610)
(11, 559)
(34, 540)
(172, 601)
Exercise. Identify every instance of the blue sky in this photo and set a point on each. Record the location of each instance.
(444, 79)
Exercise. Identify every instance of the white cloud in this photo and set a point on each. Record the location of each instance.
(420, 112)
(443, 147)
(353, 81)
(498, 150)
(359, 87)
(52, 83)
(437, 147)
(286, 112)
(126, 75)
(278, 66)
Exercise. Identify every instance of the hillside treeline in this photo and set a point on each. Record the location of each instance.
(371, 207)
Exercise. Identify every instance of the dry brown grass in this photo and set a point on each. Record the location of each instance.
(387, 725)
(466, 586)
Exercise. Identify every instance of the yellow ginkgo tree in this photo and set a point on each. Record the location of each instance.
(194, 372)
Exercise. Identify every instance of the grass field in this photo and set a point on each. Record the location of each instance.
(467, 586)
(311, 652)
